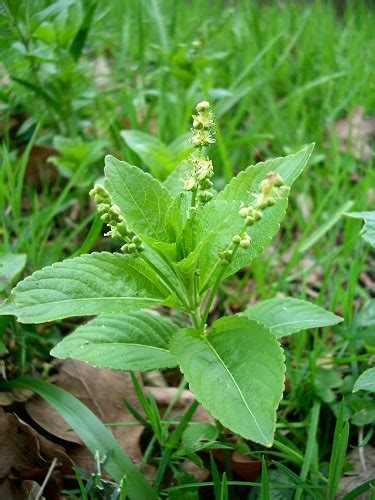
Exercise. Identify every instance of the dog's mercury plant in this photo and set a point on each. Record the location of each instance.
(177, 241)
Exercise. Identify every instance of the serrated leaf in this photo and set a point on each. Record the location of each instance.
(137, 341)
(219, 220)
(285, 315)
(366, 381)
(157, 156)
(142, 199)
(247, 181)
(368, 230)
(99, 283)
(366, 316)
(10, 266)
(237, 372)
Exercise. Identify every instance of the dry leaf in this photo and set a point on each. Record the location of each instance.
(364, 470)
(26, 455)
(102, 391)
(355, 134)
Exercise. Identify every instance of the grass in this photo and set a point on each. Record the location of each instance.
(278, 76)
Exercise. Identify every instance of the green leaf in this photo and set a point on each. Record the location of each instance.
(326, 379)
(159, 158)
(177, 217)
(79, 40)
(368, 230)
(142, 199)
(285, 315)
(247, 181)
(366, 316)
(237, 372)
(3, 348)
(137, 341)
(98, 283)
(219, 221)
(174, 182)
(10, 266)
(92, 432)
(366, 381)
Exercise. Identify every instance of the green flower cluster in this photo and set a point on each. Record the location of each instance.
(269, 192)
(199, 178)
(110, 214)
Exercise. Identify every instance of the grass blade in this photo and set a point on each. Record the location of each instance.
(340, 444)
(92, 432)
(265, 485)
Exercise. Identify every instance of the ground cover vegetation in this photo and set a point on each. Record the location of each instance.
(184, 227)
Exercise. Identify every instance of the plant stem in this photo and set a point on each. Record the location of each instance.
(172, 288)
(214, 289)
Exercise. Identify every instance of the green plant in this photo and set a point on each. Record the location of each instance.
(179, 241)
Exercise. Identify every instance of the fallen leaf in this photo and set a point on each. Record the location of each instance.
(26, 455)
(15, 396)
(355, 132)
(363, 461)
(102, 391)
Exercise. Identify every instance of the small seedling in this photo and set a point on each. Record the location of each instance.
(177, 241)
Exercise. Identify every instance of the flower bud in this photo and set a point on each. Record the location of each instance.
(275, 179)
(236, 239)
(245, 243)
(136, 239)
(203, 106)
(205, 196)
(132, 248)
(265, 200)
(206, 183)
(243, 212)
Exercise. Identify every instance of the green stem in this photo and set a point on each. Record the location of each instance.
(214, 289)
(166, 281)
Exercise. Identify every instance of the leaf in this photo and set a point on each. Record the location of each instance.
(3, 348)
(368, 230)
(103, 392)
(93, 433)
(285, 315)
(237, 372)
(366, 381)
(137, 341)
(142, 199)
(174, 182)
(23, 450)
(177, 217)
(79, 40)
(247, 181)
(159, 158)
(98, 283)
(10, 266)
(366, 316)
(219, 221)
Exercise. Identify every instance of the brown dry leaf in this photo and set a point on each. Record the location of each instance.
(38, 166)
(9, 490)
(200, 473)
(15, 396)
(102, 391)
(355, 134)
(364, 470)
(25, 454)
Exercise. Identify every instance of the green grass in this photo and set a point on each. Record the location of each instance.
(278, 76)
